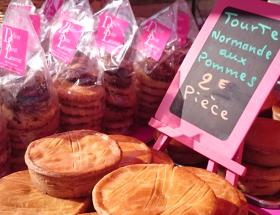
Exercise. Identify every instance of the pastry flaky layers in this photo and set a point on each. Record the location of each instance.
(157, 189)
(69, 164)
(19, 196)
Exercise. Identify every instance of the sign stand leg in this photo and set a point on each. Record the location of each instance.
(161, 142)
(230, 176)
(212, 166)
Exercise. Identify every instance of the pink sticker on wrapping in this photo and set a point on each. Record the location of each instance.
(13, 50)
(152, 39)
(65, 41)
(27, 8)
(51, 7)
(183, 24)
(111, 32)
(35, 19)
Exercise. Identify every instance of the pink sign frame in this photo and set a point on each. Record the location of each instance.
(223, 152)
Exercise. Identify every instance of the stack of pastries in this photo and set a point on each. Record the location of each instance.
(120, 86)
(153, 81)
(113, 169)
(5, 150)
(80, 96)
(31, 111)
(261, 157)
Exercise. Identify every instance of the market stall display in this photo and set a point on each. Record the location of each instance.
(78, 85)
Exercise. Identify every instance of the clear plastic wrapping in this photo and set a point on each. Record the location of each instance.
(46, 13)
(29, 102)
(159, 50)
(114, 30)
(74, 68)
(29, 7)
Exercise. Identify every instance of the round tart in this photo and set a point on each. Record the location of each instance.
(230, 200)
(262, 143)
(153, 189)
(133, 150)
(19, 196)
(68, 165)
(161, 158)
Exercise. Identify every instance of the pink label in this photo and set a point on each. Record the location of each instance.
(65, 41)
(152, 39)
(14, 47)
(183, 27)
(36, 23)
(111, 32)
(51, 7)
(27, 8)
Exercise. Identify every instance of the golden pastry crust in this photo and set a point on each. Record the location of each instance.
(74, 111)
(92, 126)
(95, 119)
(153, 189)
(161, 158)
(59, 163)
(124, 101)
(113, 113)
(72, 153)
(133, 150)
(112, 125)
(230, 200)
(29, 121)
(148, 81)
(19, 196)
(20, 139)
(69, 92)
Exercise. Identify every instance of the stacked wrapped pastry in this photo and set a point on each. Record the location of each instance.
(160, 49)
(115, 27)
(74, 68)
(261, 157)
(28, 100)
(5, 150)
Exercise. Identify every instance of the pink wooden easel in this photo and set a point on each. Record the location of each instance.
(233, 166)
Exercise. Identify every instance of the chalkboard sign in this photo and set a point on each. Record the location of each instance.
(226, 76)
(227, 71)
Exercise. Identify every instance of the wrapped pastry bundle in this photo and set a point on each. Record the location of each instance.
(5, 149)
(28, 100)
(74, 68)
(115, 27)
(160, 49)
